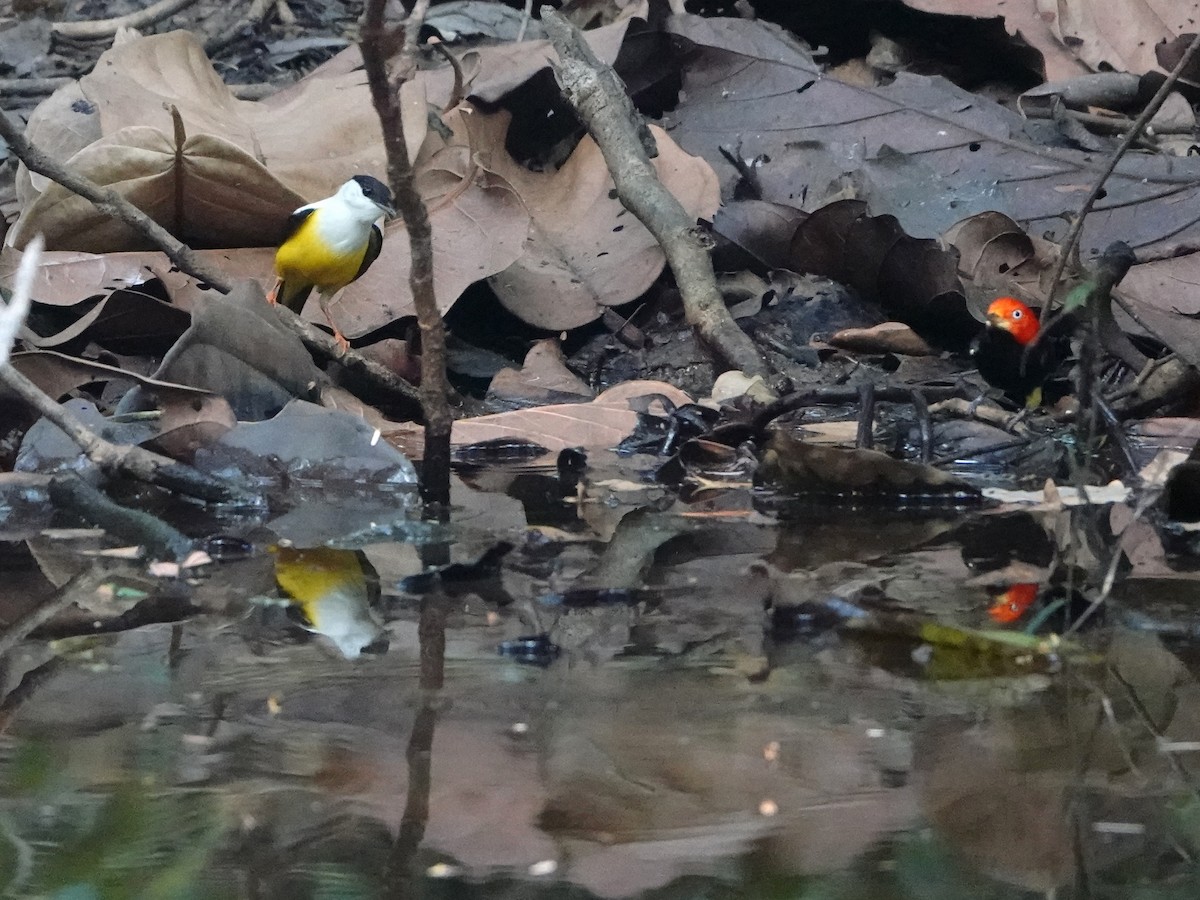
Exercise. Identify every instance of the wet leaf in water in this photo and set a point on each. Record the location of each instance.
(798, 467)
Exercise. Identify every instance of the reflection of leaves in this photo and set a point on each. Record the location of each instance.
(136, 846)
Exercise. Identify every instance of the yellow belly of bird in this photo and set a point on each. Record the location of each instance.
(305, 259)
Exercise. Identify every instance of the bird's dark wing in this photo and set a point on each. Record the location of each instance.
(294, 221)
(374, 243)
(290, 293)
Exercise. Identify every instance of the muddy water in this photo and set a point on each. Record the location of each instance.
(668, 735)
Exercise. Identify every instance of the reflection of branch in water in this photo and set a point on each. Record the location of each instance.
(26, 688)
(400, 879)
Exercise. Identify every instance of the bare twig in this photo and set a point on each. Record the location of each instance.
(1135, 131)
(526, 15)
(323, 342)
(435, 475)
(110, 203)
(106, 28)
(865, 437)
(598, 97)
(412, 29)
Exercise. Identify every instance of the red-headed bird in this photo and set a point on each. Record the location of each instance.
(1000, 353)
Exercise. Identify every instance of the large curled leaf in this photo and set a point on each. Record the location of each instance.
(206, 191)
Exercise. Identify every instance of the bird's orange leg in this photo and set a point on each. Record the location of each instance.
(343, 344)
(273, 296)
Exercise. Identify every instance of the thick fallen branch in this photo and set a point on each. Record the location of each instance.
(110, 203)
(598, 97)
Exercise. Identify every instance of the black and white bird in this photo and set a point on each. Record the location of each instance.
(330, 243)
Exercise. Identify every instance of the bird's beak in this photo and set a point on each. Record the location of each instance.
(389, 211)
(997, 321)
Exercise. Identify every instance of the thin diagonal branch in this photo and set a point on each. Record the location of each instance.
(110, 203)
(1071, 241)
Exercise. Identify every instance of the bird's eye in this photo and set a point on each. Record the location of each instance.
(1016, 314)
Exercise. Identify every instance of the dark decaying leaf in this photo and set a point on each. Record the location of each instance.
(925, 151)
(762, 230)
(819, 243)
(237, 348)
(915, 280)
(130, 321)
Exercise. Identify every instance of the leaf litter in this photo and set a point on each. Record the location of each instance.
(869, 225)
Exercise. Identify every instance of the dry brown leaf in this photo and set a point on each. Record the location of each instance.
(207, 192)
(887, 337)
(1118, 34)
(185, 427)
(64, 277)
(585, 250)
(543, 377)
(136, 83)
(58, 375)
(604, 422)
(479, 227)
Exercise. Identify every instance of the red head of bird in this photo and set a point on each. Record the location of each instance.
(1013, 316)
